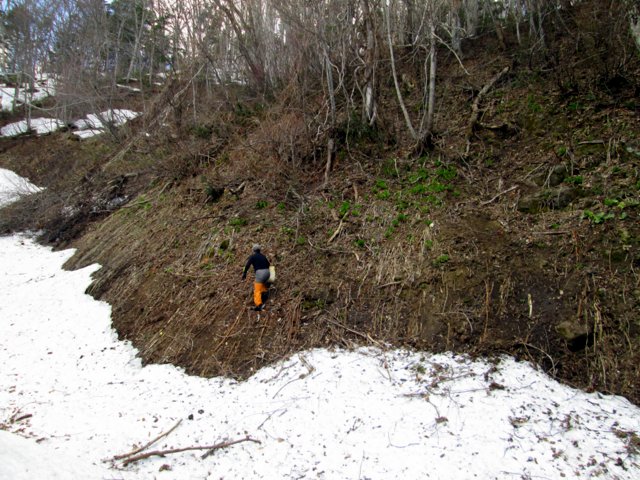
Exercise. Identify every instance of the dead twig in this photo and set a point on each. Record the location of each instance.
(228, 444)
(335, 234)
(498, 195)
(210, 449)
(147, 445)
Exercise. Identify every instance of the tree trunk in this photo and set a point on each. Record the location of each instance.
(370, 66)
(432, 83)
(405, 113)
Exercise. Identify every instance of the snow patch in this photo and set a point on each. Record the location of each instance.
(44, 87)
(95, 124)
(12, 186)
(40, 125)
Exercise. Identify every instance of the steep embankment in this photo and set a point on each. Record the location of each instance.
(517, 233)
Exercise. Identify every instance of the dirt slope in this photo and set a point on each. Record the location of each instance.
(528, 243)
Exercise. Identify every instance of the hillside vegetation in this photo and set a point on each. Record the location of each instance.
(514, 228)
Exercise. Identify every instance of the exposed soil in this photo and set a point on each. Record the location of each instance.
(529, 244)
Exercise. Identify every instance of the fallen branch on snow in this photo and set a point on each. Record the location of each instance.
(210, 449)
(147, 445)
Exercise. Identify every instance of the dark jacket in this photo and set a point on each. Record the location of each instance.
(259, 262)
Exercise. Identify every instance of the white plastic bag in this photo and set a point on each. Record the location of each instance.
(272, 274)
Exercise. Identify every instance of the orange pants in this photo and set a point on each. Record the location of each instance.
(258, 290)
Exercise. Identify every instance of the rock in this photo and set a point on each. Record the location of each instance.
(558, 174)
(552, 177)
(571, 330)
(551, 199)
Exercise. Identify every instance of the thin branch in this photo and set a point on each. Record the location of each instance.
(498, 195)
(210, 449)
(147, 445)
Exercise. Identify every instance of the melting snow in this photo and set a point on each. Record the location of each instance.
(12, 186)
(40, 125)
(45, 87)
(94, 124)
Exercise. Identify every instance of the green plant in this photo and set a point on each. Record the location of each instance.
(533, 106)
(400, 218)
(575, 180)
(418, 189)
(442, 259)
(288, 231)
(260, 204)
(597, 218)
(561, 151)
(389, 167)
(301, 241)
(360, 243)
(381, 185)
(447, 173)
(281, 206)
(238, 222)
(611, 202)
(437, 187)
(428, 244)
(432, 199)
(383, 195)
(344, 208)
(419, 176)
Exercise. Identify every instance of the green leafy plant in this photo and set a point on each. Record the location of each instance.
(442, 259)
(437, 187)
(238, 222)
(419, 176)
(260, 204)
(597, 218)
(418, 189)
(383, 195)
(447, 173)
(344, 208)
(360, 243)
(575, 180)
